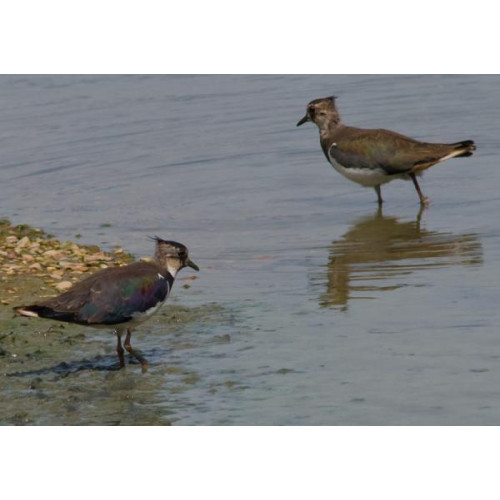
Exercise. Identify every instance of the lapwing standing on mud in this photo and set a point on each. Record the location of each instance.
(372, 157)
(121, 297)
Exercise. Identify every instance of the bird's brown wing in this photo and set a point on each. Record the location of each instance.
(382, 149)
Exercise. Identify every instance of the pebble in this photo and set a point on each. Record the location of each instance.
(23, 242)
(28, 252)
(63, 286)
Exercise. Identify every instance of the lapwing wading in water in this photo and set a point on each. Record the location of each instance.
(372, 157)
(120, 297)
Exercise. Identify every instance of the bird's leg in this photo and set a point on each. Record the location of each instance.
(424, 201)
(119, 348)
(137, 355)
(379, 195)
(419, 217)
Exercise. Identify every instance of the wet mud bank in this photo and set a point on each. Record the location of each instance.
(54, 373)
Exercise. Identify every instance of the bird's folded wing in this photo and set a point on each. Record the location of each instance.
(123, 299)
(382, 149)
(110, 298)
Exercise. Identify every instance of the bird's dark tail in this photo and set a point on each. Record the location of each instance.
(464, 148)
(36, 311)
(30, 311)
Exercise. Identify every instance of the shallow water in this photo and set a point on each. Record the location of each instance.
(312, 307)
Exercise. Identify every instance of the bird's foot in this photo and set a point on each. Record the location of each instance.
(137, 355)
(425, 202)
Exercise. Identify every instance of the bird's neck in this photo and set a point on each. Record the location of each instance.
(327, 134)
(166, 267)
(172, 270)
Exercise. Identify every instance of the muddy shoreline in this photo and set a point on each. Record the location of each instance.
(50, 372)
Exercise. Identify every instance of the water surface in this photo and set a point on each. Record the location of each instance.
(312, 306)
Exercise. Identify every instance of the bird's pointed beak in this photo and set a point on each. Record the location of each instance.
(304, 120)
(192, 265)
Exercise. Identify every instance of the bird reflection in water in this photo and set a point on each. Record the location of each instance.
(378, 252)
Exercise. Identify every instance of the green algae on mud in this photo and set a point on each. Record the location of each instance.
(61, 374)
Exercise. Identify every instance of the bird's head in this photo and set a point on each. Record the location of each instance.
(323, 112)
(172, 256)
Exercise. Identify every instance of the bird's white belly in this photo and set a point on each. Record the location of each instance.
(137, 318)
(141, 316)
(367, 177)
